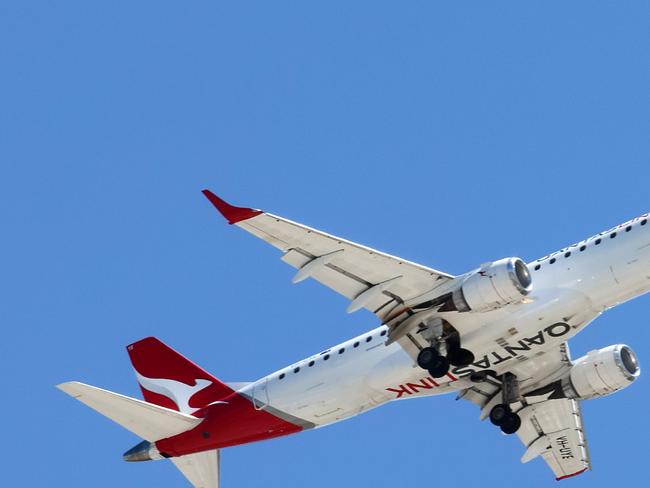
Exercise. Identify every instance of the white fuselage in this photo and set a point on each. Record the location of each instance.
(570, 288)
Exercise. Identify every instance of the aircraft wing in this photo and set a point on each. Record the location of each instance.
(551, 427)
(372, 279)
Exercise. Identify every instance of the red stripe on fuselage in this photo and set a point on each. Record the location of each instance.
(234, 422)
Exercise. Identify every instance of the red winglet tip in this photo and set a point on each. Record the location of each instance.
(230, 212)
(571, 475)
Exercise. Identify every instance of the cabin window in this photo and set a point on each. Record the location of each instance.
(326, 357)
(311, 363)
(383, 332)
(582, 248)
(281, 376)
(567, 254)
(356, 344)
(342, 350)
(597, 241)
(537, 267)
(612, 235)
(296, 369)
(628, 228)
(369, 338)
(552, 260)
(644, 221)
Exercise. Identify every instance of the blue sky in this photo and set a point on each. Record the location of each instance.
(449, 134)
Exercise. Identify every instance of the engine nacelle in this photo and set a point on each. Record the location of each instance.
(603, 372)
(493, 286)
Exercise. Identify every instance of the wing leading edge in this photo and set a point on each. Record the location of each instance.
(372, 279)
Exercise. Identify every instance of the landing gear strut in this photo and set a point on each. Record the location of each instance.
(445, 348)
(502, 415)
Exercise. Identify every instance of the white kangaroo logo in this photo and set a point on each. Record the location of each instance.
(177, 391)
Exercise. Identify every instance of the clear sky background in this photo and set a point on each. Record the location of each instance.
(446, 133)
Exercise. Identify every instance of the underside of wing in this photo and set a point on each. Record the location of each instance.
(551, 428)
(372, 279)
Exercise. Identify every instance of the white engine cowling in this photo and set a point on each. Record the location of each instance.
(603, 372)
(493, 286)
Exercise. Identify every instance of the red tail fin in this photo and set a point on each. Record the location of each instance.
(170, 380)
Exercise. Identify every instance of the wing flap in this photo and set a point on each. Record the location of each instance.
(553, 429)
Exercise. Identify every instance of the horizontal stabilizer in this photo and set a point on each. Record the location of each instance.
(201, 468)
(146, 420)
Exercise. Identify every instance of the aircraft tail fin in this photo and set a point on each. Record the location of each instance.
(151, 422)
(170, 380)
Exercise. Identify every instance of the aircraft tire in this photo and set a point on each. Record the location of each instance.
(510, 423)
(428, 357)
(460, 357)
(499, 413)
(439, 368)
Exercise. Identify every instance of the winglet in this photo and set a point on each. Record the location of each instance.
(230, 212)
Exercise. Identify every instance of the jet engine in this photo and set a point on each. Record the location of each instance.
(603, 372)
(492, 286)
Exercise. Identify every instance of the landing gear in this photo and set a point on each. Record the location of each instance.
(430, 359)
(498, 413)
(511, 423)
(459, 356)
(444, 350)
(440, 368)
(506, 419)
(427, 356)
(502, 415)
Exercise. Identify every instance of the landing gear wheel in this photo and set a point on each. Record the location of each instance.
(439, 367)
(510, 423)
(460, 356)
(499, 413)
(427, 357)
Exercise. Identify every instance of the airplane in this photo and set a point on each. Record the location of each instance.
(496, 336)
